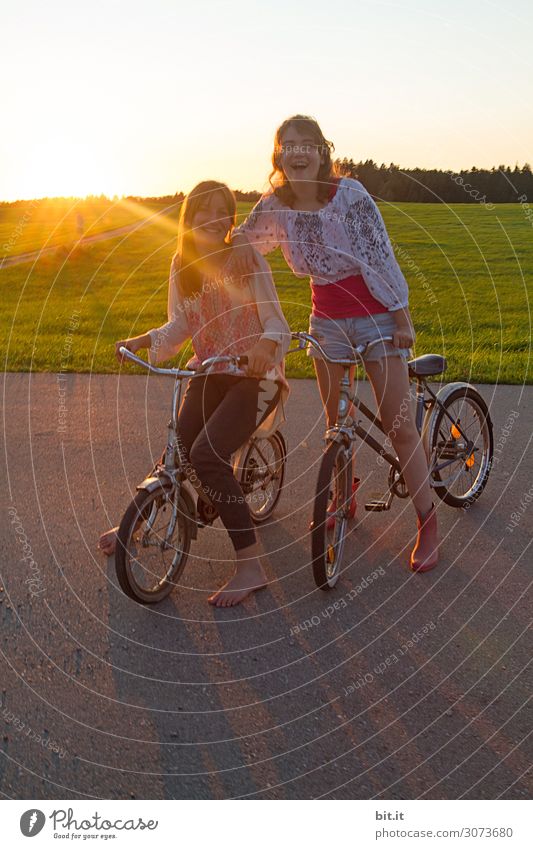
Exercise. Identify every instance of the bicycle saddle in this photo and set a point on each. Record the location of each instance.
(427, 365)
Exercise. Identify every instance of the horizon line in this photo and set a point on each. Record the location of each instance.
(382, 166)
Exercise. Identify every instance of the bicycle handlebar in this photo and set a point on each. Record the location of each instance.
(183, 373)
(305, 338)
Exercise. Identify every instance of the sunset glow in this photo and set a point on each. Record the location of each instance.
(148, 100)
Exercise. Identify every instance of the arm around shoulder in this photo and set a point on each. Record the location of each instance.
(261, 227)
(269, 309)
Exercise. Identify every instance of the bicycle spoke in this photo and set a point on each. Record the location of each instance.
(262, 476)
(154, 549)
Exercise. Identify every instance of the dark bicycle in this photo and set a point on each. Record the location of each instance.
(456, 430)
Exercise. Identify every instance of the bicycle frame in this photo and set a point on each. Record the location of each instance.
(345, 427)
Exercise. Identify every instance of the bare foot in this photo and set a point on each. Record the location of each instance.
(249, 576)
(108, 541)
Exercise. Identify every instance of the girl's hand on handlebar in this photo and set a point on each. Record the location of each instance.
(261, 358)
(242, 259)
(404, 335)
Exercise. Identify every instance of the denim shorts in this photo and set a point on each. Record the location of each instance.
(338, 335)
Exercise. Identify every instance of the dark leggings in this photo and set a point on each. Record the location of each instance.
(218, 415)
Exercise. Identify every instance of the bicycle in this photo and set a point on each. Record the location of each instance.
(456, 431)
(155, 534)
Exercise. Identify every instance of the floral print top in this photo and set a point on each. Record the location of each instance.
(227, 316)
(222, 319)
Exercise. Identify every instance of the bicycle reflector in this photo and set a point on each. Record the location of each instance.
(455, 432)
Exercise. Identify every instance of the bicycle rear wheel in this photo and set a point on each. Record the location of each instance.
(327, 543)
(461, 447)
(153, 543)
(262, 475)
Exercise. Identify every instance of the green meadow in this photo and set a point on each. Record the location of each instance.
(469, 268)
(32, 225)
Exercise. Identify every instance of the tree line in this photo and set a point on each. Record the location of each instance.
(421, 185)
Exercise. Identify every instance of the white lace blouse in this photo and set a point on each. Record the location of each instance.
(345, 237)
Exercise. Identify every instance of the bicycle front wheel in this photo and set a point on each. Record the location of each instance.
(329, 527)
(153, 543)
(461, 446)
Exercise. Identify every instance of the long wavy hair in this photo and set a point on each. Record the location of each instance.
(327, 173)
(186, 256)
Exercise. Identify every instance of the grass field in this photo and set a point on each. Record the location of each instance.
(470, 271)
(53, 222)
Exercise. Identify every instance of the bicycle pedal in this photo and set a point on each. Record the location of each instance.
(376, 505)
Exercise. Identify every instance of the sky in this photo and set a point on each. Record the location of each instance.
(149, 98)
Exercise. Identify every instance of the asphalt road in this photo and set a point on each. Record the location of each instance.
(101, 697)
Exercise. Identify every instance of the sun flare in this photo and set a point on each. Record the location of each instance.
(63, 169)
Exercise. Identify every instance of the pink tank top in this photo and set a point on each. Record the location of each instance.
(348, 298)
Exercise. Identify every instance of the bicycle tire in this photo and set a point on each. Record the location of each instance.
(277, 443)
(139, 510)
(441, 445)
